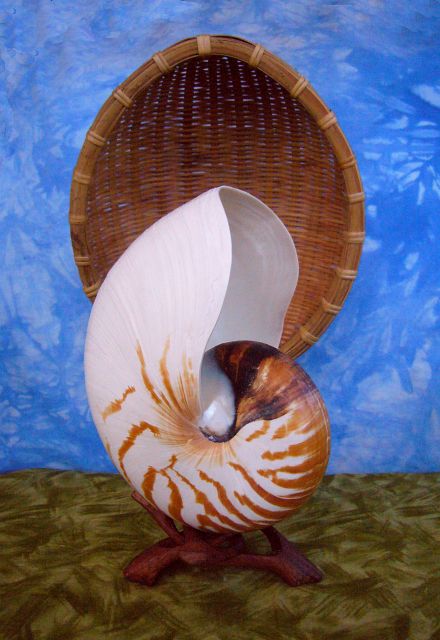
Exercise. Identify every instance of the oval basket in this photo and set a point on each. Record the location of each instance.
(214, 110)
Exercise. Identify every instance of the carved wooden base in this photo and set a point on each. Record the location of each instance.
(217, 550)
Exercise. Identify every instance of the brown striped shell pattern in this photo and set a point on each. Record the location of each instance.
(198, 409)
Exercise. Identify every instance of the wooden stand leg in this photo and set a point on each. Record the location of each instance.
(209, 549)
(285, 560)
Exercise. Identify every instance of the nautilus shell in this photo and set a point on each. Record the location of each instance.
(196, 406)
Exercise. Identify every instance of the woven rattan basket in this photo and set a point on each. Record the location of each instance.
(215, 110)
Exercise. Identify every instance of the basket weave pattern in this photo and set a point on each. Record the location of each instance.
(220, 110)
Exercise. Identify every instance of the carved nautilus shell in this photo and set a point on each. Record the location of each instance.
(196, 406)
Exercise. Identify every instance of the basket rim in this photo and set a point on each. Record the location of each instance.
(300, 89)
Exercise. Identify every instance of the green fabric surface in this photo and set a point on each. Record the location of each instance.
(65, 537)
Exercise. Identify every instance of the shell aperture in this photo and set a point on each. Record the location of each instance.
(262, 384)
(200, 280)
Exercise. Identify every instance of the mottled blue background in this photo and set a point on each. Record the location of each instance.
(376, 63)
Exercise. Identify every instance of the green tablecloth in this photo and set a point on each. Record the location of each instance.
(65, 536)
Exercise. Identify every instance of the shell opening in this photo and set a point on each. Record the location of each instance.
(263, 276)
(263, 273)
(217, 400)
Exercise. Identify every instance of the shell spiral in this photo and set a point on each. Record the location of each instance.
(178, 303)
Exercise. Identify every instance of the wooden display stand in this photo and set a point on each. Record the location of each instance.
(207, 549)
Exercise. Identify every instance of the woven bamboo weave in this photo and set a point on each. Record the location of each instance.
(215, 110)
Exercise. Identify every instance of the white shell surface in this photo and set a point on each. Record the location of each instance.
(178, 286)
(264, 272)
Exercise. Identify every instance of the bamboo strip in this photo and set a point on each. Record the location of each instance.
(122, 97)
(161, 62)
(77, 220)
(327, 121)
(82, 261)
(356, 197)
(347, 164)
(204, 45)
(299, 87)
(95, 138)
(81, 178)
(328, 307)
(256, 56)
(354, 237)
(308, 337)
(92, 289)
(346, 274)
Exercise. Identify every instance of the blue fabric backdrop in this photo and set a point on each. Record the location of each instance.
(375, 62)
